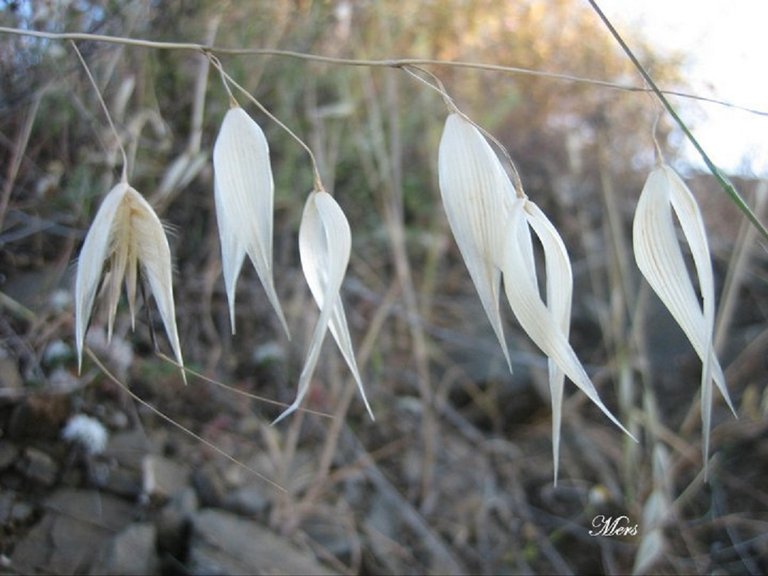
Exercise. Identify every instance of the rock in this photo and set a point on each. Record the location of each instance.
(8, 454)
(10, 377)
(210, 486)
(108, 512)
(128, 448)
(38, 466)
(225, 544)
(247, 501)
(131, 551)
(76, 525)
(21, 512)
(62, 381)
(13, 510)
(161, 477)
(123, 482)
(57, 353)
(39, 416)
(332, 536)
(174, 525)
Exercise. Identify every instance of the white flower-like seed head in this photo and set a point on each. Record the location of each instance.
(325, 243)
(660, 259)
(477, 195)
(548, 323)
(492, 227)
(244, 194)
(126, 233)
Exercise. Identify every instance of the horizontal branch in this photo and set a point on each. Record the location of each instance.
(386, 63)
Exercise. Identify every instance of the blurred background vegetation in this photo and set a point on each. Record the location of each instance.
(456, 473)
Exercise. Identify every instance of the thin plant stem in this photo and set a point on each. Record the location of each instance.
(19, 150)
(738, 267)
(454, 109)
(384, 63)
(438, 86)
(124, 177)
(173, 422)
(256, 397)
(725, 184)
(217, 63)
(227, 78)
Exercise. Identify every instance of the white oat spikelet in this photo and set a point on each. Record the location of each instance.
(546, 323)
(244, 194)
(125, 234)
(476, 194)
(660, 259)
(325, 243)
(492, 226)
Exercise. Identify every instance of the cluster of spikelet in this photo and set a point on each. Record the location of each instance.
(492, 220)
(126, 233)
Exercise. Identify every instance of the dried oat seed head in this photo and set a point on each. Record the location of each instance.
(547, 324)
(126, 233)
(660, 259)
(325, 243)
(477, 195)
(244, 195)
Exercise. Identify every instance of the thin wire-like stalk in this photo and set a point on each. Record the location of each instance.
(173, 422)
(237, 390)
(103, 104)
(438, 85)
(228, 79)
(454, 109)
(738, 265)
(383, 63)
(725, 184)
(19, 149)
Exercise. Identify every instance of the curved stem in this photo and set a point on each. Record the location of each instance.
(387, 63)
(124, 177)
(318, 183)
(725, 184)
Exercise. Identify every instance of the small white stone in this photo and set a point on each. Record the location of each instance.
(88, 432)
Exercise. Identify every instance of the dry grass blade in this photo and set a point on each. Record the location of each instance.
(325, 242)
(244, 191)
(660, 259)
(476, 193)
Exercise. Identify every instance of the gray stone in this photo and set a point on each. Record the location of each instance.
(128, 448)
(162, 478)
(39, 416)
(21, 512)
(333, 536)
(76, 525)
(247, 501)
(223, 543)
(174, 522)
(38, 466)
(104, 510)
(131, 551)
(8, 453)
(123, 482)
(210, 486)
(10, 377)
